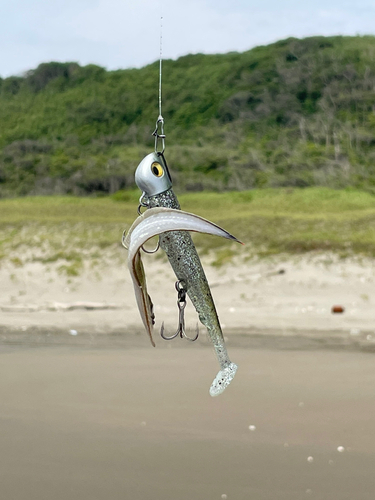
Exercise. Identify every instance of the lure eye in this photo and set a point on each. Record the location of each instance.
(157, 169)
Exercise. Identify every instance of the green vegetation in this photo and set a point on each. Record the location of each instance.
(296, 113)
(75, 232)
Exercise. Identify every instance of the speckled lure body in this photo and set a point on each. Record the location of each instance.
(152, 177)
(186, 264)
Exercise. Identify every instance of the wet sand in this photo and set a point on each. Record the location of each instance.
(80, 422)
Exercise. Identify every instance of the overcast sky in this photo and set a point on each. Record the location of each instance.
(124, 33)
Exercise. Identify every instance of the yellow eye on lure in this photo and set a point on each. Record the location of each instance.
(157, 169)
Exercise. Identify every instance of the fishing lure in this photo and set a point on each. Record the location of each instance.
(164, 217)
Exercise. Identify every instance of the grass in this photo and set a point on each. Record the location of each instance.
(292, 221)
(66, 209)
(67, 230)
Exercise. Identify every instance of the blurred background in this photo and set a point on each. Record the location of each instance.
(270, 122)
(253, 96)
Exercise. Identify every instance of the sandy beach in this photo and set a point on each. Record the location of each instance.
(89, 410)
(280, 296)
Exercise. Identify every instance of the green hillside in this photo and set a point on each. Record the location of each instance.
(295, 113)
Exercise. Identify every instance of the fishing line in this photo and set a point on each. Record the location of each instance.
(161, 56)
(159, 129)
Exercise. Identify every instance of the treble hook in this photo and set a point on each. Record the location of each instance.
(181, 303)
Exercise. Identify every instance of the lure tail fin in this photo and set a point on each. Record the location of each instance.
(223, 379)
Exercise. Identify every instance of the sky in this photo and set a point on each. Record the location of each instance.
(123, 33)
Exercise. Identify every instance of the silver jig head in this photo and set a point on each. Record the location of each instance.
(152, 177)
(181, 303)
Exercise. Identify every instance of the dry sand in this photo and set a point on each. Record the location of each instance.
(280, 297)
(90, 411)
